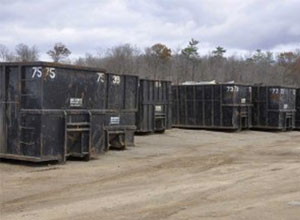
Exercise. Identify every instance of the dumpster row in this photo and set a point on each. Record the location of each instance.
(50, 111)
(233, 106)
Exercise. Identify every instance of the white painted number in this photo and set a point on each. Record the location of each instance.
(36, 72)
(116, 79)
(101, 77)
(232, 89)
(275, 91)
(51, 72)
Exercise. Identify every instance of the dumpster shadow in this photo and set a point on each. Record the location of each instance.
(79, 159)
(138, 133)
(269, 130)
(28, 163)
(218, 130)
(44, 163)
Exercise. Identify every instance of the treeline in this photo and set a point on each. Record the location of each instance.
(161, 62)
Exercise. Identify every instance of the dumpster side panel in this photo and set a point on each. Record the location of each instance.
(169, 105)
(32, 86)
(212, 106)
(131, 93)
(145, 114)
(120, 124)
(74, 89)
(12, 113)
(2, 110)
(98, 133)
(52, 135)
(175, 106)
(115, 92)
(274, 107)
(298, 109)
(47, 110)
(154, 113)
(30, 135)
(217, 106)
(228, 117)
(199, 105)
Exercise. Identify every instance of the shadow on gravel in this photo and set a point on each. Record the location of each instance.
(28, 163)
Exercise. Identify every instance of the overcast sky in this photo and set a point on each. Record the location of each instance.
(88, 25)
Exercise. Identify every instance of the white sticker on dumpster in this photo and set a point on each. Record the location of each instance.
(285, 106)
(243, 100)
(158, 108)
(76, 102)
(114, 120)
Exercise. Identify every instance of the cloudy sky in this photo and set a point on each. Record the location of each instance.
(90, 25)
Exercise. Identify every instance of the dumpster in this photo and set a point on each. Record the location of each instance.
(274, 107)
(122, 106)
(212, 106)
(155, 107)
(52, 111)
(297, 109)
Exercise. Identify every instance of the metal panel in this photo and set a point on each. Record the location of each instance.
(12, 113)
(274, 107)
(2, 110)
(297, 120)
(130, 93)
(226, 106)
(154, 114)
(122, 99)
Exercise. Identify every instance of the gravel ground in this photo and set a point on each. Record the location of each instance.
(182, 174)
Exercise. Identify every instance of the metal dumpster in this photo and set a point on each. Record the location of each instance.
(218, 106)
(52, 111)
(155, 107)
(274, 107)
(122, 106)
(297, 123)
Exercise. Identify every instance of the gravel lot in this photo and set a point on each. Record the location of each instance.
(182, 174)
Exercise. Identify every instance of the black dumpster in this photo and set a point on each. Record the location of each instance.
(52, 111)
(217, 106)
(122, 105)
(297, 109)
(274, 107)
(155, 107)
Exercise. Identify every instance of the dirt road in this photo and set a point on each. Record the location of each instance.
(182, 174)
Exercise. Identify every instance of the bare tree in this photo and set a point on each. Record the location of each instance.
(24, 53)
(157, 62)
(3, 52)
(287, 58)
(6, 54)
(122, 59)
(59, 53)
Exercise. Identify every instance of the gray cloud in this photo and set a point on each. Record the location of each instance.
(87, 25)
